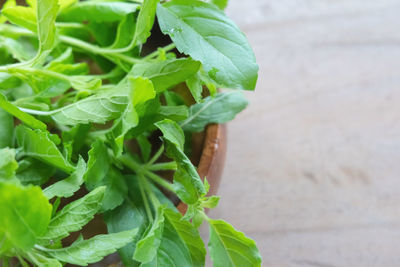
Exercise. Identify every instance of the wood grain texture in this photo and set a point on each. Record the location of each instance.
(312, 169)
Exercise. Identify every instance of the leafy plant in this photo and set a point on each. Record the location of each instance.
(79, 84)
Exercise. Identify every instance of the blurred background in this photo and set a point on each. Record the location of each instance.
(313, 166)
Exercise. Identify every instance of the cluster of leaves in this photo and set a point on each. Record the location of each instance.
(74, 86)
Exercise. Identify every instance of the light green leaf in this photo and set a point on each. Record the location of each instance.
(46, 25)
(195, 86)
(116, 189)
(19, 49)
(230, 248)
(68, 186)
(167, 73)
(21, 16)
(94, 249)
(188, 235)
(99, 108)
(66, 3)
(74, 216)
(146, 248)
(98, 164)
(82, 82)
(140, 91)
(6, 128)
(145, 20)
(25, 214)
(187, 182)
(125, 31)
(8, 164)
(38, 144)
(204, 32)
(22, 116)
(219, 109)
(220, 3)
(176, 113)
(98, 11)
(210, 202)
(43, 261)
(172, 132)
(7, 4)
(181, 248)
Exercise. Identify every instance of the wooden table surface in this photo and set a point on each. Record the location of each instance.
(313, 166)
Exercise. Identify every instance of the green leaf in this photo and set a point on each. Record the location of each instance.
(210, 202)
(145, 20)
(25, 214)
(125, 31)
(141, 90)
(172, 132)
(145, 147)
(22, 116)
(21, 16)
(229, 247)
(205, 33)
(42, 261)
(116, 189)
(195, 86)
(146, 248)
(220, 3)
(68, 186)
(46, 25)
(6, 128)
(32, 171)
(106, 105)
(94, 249)
(7, 4)
(19, 49)
(8, 164)
(176, 113)
(180, 245)
(74, 215)
(99, 108)
(38, 144)
(129, 215)
(188, 235)
(98, 11)
(167, 73)
(98, 164)
(219, 109)
(187, 182)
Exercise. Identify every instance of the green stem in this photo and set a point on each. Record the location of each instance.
(157, 52)
(164, 166)
(144, 197)
(131, 163)
(139, 168)
(96, 49)
(36, 112)
(156, 156)
(159, 180)
(156, 203)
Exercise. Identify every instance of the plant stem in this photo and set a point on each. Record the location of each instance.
(159, 180)
(156, 156)
(36, 112)
(162, 166)
(96, 49)
(138, 168)
(144, 197)
(155, 53)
